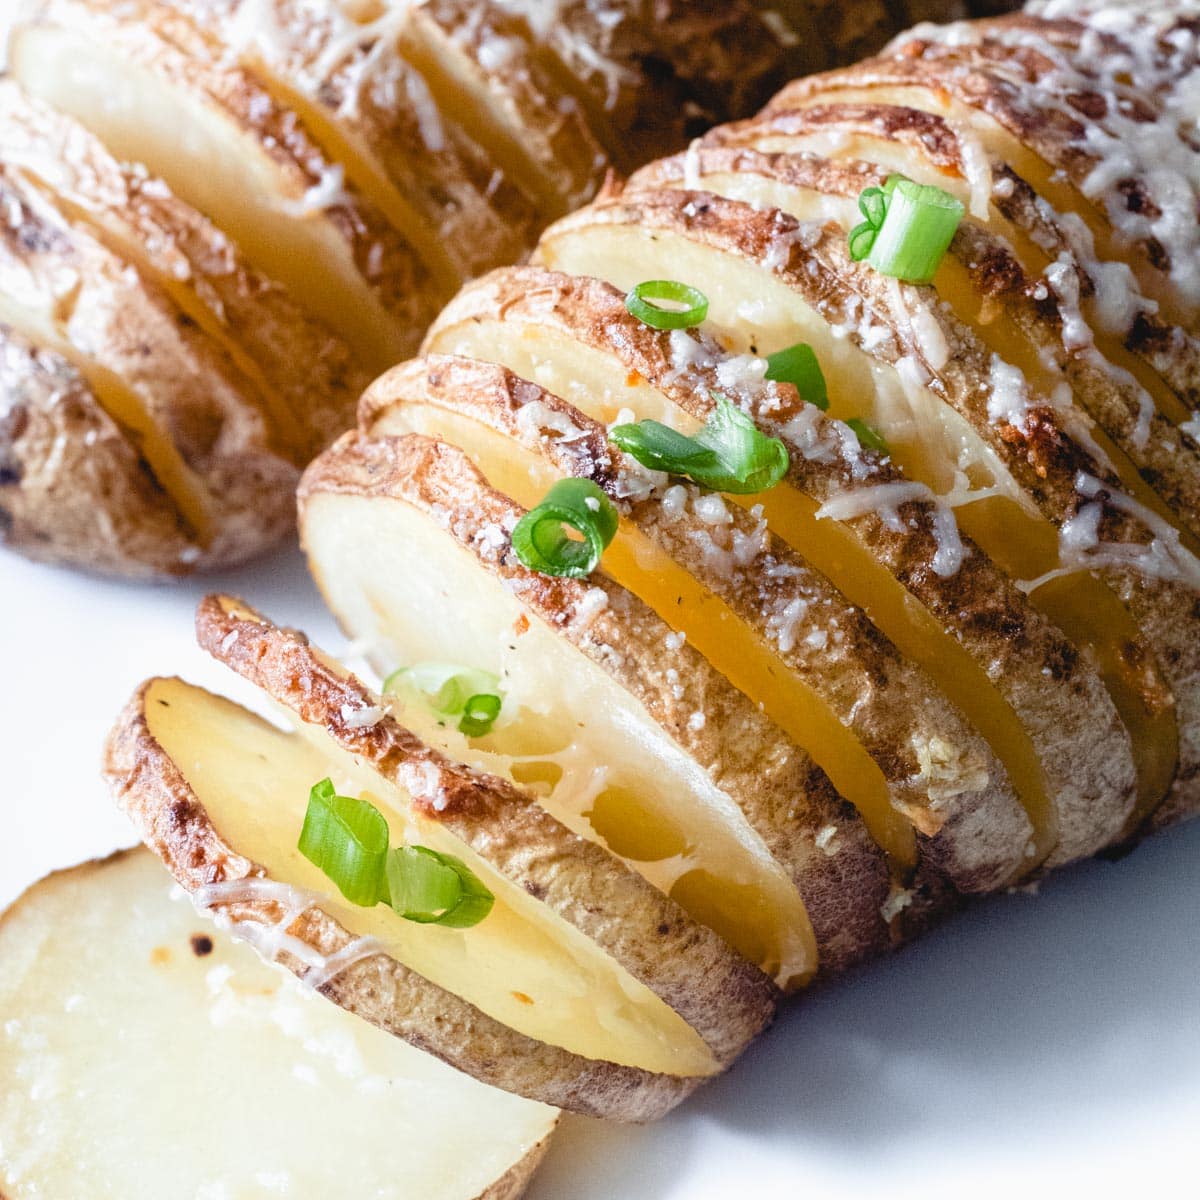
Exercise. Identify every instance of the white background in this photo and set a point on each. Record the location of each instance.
(1035, 1046)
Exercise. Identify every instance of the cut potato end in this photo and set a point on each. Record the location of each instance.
(686, 605)
(617, 777)
(224, 171)
(253, 780)
(1081, 605)
(233, 1075)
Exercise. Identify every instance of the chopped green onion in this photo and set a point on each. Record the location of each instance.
(798, 366)
(479, 714)
(730, 454)
(542, 543)
(692, 304)
(452, 691)
(908, 228)
(868, 437)
(348, 840)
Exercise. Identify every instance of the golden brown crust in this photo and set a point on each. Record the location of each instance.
(150, 788)
(1066, 710)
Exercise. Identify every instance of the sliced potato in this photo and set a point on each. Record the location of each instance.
(189, 412)
(583, 987)
(233, 1077)
(575, 337)
(304, 376)
(1039, 463)
(1116, 153)
(71, 477)
(138, 74)
(775, 628)
(340, 68)
(654, 752)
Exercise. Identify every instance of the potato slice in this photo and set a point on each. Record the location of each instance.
(138, 74)
(575, 337)
(479, 67)
(1048, 484)
(656, 754)
(73, 487)
(1122, 323)
(304, 376)
(754, 609)
(232, 1075)
(584, 987)
(339, 67)
(1116, 154)
(980, 279)
(189, 412)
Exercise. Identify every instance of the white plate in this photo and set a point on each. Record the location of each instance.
(1034, 1046)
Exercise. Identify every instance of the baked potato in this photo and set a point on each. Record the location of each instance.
(341, 174)
(584, 986)
(971, 601)
(229, 1072)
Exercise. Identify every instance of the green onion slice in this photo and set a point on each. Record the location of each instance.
(798, 366)
(540, 537)
(868, 437)
(348, 840)
(433, 888)
(479, 714)
(730, 454)
(451, 691)
(689, 305)
(907, 230)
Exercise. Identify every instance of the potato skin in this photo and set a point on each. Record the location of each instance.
(72, 488)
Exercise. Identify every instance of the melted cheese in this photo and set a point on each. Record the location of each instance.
(253, 780)
(236, 1080)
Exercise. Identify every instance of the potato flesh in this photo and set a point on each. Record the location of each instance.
(599, 385)
(253, 781)
(217, 168)
(710, 626)
(1087, 611)
(232, 1076)
(619, 778)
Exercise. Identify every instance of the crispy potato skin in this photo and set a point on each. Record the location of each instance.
(69, 477)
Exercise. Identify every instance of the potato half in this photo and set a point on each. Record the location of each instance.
(584, 987)
(231, 1074)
